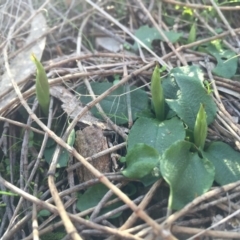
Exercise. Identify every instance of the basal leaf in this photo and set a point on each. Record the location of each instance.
(130, 189)
(226, 161)
(147, 35)
(159, 135)
(170, 86)
(191, 94)
(150, 179)
(188, 175)
(141, 160)
(227, 61)
(56, 235)
(44, 213)
(115, 105)
(92, 196)
(191, 71)
(63, 157)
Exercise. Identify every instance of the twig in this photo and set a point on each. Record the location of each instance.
(55, 210)
(212, 81)
(54, 216)
(130, 221)
(214, 203)
(223, 18)
(128, 98)
(95, 156)
(201, 6)
(128, 32)
(3, 139)
(161, 32)
(212, 30)
(102, 178)
(215, 234)
(199, 42)
(89, 88)
(35, 232)
(168, 223)
(103, 201)
(35, 166)
(22, 125)
(56, 225)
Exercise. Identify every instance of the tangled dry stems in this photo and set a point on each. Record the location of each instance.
(70, 60)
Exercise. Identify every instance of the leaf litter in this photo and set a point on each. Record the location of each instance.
(58, 51)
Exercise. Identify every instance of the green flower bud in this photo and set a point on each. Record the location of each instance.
(42, 86)
(157, 95)
(200, 128)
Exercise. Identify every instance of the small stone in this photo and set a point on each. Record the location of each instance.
(88, 142)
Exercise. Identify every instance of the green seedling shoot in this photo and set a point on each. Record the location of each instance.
(42, 86)
(192, 34)
(157, 95)
(200, 128)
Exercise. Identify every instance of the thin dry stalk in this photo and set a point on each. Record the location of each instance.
(34, 212)
(69, 226)
(55, 210)
(171, 219)
(223, 18)
(130, 221)
(201, 6)
(161, 32)
(128, 32)
(64, 71)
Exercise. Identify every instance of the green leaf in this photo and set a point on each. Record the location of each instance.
(115, 104)
(44, 213)
(147, 35)
(227, 61)
(92, 196)
(191, 94)
(63, 157)
(42, 86)
(170, 87)
(226, 161)
(150, 179)
(159, 135)
(191, 71)
(188, 175)
(130, 189)
(200, 128)
(140, 161)
(157, 95)
(56, 235)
